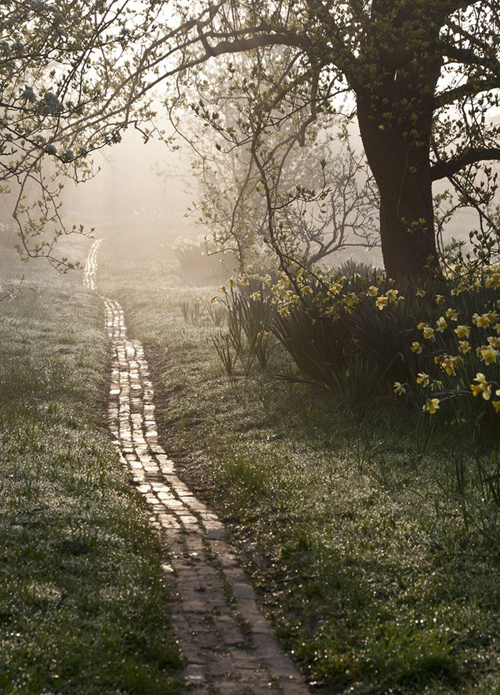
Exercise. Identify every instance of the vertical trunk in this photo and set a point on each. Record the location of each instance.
(401, 169)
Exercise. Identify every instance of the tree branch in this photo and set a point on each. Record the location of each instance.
(443, 169)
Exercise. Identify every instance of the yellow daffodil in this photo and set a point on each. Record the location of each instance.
(452, 314)
(244, 282)
(439, 299)
(399, 389)
(431, 406)
(496, 405)
(421, 293)
(423, 379)
(381, 303)
(482, 387)
(428, 333)
(441, 324)
(482, 321)
(392, 295)
(372, 291)
(422, 325)
(492, 281)
(416, 348)
(487, 354)
(462, 331)
(464, 347)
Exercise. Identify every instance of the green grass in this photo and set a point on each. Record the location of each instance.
(353, 530)
(83, 605)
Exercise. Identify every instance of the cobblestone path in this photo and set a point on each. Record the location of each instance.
(228, 646)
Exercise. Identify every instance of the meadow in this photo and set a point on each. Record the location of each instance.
(83, 602)
(371, 535)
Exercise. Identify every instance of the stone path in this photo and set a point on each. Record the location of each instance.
(229, 647)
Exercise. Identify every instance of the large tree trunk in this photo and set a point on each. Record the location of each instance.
(400, 164)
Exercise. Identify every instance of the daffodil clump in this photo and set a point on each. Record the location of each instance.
(459, 351)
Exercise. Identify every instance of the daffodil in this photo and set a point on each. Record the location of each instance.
(399, 389)
(416, 348)
(439, 299)
(452, 314)
(381, 303)
(492, 281)
(487, 354)
(462, 331)
(441, 324)
(372, 291)
(421, 293)
(482, 321)
(431, 406)
(428, 333)
(423, 379)
(422, 325)
(482, 387)
(496, 405)
(244, 282)
(464, 346)
(392, 295)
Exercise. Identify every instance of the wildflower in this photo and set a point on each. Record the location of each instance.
(439, 299)
(482, 387)
(482, 321)
(462, 331)
(431, 406)
(487, 354)
(416, 348)
(464, 346)
(372, 291)
(447, 362)
(392, 295)
(381, 303)
(492, 281)
(496, 405)
(421, 293)
(441, 324)
(428, 333)
(423, 379)
(452, 314)
(335, 289)
(399, 389)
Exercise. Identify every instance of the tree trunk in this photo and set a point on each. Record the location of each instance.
(399, 160)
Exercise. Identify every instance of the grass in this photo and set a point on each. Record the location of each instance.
(353, 529)
(83, 603)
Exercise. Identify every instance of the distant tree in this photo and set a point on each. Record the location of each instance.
(64, 93)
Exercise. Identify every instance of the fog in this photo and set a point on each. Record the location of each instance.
(136, 181)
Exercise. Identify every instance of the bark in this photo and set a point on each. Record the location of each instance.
(401, 167)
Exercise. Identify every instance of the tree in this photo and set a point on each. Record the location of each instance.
(424, 75)
(64, 94)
